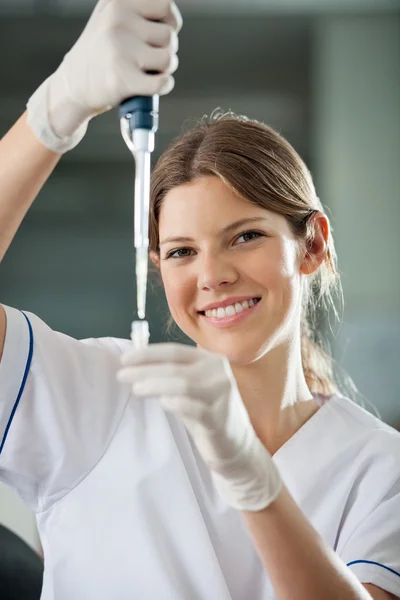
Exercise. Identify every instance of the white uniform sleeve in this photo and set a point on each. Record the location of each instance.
(60, 405)
(373, 550)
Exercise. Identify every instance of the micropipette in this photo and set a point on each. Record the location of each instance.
(139, 122)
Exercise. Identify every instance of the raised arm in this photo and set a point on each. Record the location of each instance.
(25, 166)
(122, 42)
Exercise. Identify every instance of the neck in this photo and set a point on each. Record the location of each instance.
(276, 395)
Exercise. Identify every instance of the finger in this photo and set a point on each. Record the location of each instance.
(174, 17)
(153, 84)
(193, 412)
(158, 35)
(166, 88)
(162, 386)
(190, 410)
(154, 10)
(156, 59)
(171, 396)
(150, 373)
(161, 353)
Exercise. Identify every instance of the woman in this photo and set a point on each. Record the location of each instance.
(162, 484)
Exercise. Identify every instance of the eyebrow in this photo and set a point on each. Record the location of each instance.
(227, 229)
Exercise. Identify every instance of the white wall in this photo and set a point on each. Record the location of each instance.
(357, 158)
(17, 517)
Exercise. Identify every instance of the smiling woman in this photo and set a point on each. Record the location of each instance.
(246, 257)
(230, 471)
(227, 174)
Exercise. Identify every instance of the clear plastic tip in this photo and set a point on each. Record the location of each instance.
(140, 334)
(141, 279)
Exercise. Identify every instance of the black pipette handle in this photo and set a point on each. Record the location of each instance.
(142, 112)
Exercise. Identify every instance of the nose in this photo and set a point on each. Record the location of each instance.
(215, 272)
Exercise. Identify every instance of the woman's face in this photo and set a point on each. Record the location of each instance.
(230, 270)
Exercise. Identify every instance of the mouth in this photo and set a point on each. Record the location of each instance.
(232, 314)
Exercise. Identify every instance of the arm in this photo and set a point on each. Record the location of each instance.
(379, 594)
(25, 166)
(120, 36)
(2, 330)
(197, 386)
(299, 563)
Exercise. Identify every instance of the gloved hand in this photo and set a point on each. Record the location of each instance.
(200, 387)
(107, 65)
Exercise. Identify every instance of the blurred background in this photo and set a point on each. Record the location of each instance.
(325, 73)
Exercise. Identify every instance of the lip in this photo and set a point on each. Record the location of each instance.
(230, 321)
(226, 302)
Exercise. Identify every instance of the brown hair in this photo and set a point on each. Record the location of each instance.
(262, 167)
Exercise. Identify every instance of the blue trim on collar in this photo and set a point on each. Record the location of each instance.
(371, 562)
(21, 389)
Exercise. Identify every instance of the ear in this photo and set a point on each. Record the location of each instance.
(155, 258)
(317, 247)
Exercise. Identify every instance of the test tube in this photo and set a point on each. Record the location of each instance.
(140, 334)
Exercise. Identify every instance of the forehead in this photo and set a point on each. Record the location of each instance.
(207, 204)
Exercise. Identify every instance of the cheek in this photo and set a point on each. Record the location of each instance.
(289, 266)
(282, 281)
(290, 278)
(178, 291)
(279, 266)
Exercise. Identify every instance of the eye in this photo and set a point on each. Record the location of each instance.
(179, 253)
(249, 236)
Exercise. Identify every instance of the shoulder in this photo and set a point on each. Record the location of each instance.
(54, 342)
(345, 447)
(34, 349)
(367, 494)
(362, 442)
(364, 429)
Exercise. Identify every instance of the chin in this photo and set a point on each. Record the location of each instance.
(241, 345)
(237, 349)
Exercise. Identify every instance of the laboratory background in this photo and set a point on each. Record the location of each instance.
(325, 73)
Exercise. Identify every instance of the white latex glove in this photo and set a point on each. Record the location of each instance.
(200, 387)
(107, 65)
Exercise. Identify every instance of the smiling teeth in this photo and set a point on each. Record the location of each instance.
(230, 310)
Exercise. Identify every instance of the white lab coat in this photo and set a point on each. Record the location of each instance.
(125, 506)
